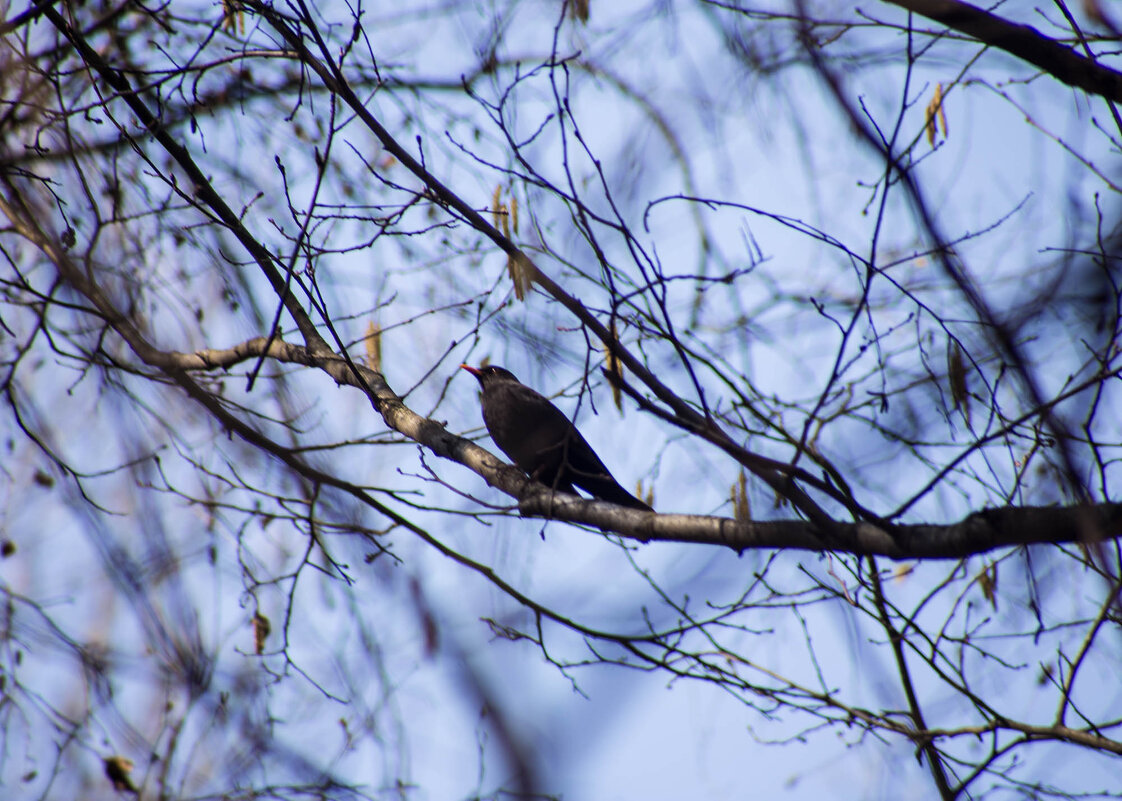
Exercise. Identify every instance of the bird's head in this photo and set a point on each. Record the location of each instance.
(489, 374)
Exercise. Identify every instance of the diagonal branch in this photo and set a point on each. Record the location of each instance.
(1022, 41)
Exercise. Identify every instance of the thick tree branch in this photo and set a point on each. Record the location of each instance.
(980, 532)
(1022, 41)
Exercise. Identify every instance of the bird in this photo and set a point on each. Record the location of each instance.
(542, 441)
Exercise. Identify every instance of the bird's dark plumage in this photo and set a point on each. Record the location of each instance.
(541, 440)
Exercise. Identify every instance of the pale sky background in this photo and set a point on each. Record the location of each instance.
(775, 143)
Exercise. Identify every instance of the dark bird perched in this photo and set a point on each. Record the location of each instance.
(541, 440)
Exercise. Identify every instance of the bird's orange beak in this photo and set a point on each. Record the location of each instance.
(470, 369)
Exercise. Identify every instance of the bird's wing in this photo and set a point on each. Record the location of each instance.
(543, 441)
(532, 431)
